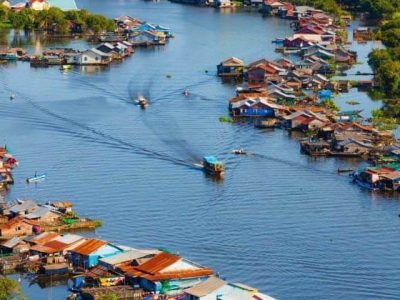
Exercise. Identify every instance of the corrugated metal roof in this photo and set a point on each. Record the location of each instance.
(69, 238)
(44, 237)
(44, 249)
(158, 263)
(89, 246)
(39, 212)
(11, 243)
(127, 256)
(206, 287)
(11, 223)
(22, 206)
(56, 245)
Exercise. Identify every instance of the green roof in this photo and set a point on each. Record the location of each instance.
(63, 4)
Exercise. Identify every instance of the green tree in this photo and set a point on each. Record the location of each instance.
(9, 288)
(3, 13)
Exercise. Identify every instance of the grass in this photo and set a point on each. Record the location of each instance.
(225, 119)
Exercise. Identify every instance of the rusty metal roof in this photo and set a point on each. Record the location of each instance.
(44, 249)
(13, 222)
(89, 246)
(158, 263)
(152, 269)
(44, 238)
(56, 245)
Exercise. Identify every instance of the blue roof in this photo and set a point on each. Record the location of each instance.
(63, 4)
(211, 159)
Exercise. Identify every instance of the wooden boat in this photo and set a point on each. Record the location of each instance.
(142, 101)
(239, 151)
(213, 167)
(36, 178)
(12, 97)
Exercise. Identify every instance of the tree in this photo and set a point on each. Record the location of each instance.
(3, 13)
(9, 288)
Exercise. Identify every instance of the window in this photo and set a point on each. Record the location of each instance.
(97, 58)
(85, 58)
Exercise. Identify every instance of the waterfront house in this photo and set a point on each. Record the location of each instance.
(116, 52)
(88, 253)
(282, 96)
(17, 226)
(296, 42)
(260, 73)
(352, 147)
(271, 7)
(231, 67)
(147, 38)
(94, 57)
(42, 238)
(21, 208)
(128, 256)
(145, 27)
(216, 288)
(363, 34)
(14, 245)
(43, 215)
(165, 268)
(254, 107)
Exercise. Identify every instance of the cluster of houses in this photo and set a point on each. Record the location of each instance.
(7, 163)
(101, 265)
(25, 217)
(139, 33)
(39, 5)
(103, 55)
(296, 94)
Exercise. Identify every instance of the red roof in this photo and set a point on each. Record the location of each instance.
(152, 269)
(56, 245)
(12, 223)
(45, 237)
(89, 246)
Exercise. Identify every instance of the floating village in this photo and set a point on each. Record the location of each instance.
(296, 93)
(113, 47)
(293, 93)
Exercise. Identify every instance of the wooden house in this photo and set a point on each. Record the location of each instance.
(179, 272)
(147, 38)
(17, 226)
(43, 215)
(260, 73)
(88, 253)
(14, 245)
(94, 57)
(232, 67)
(254, 107)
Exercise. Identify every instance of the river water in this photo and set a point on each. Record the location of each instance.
(280, 221)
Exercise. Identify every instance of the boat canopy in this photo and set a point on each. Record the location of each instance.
(211, 159)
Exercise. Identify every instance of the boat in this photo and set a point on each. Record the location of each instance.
(239, 151)
(66, 67)
(213, 167)
(36, 178)
(185, 93)
(12, 97)
(142, 101)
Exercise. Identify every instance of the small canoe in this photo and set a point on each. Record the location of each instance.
(36, 178)
(239, 151)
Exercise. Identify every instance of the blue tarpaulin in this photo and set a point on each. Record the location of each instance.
(325, 94)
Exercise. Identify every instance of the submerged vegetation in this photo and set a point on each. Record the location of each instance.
(55, 20)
